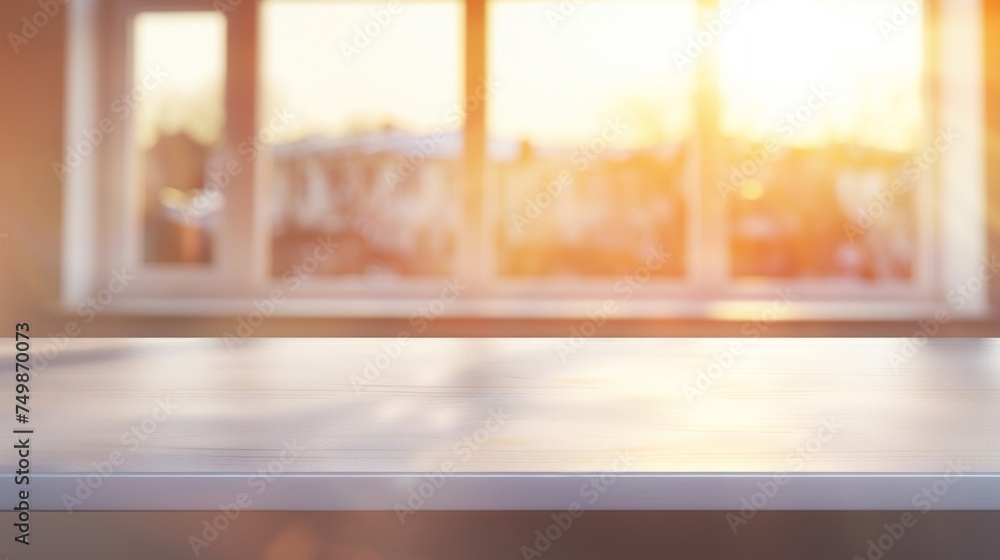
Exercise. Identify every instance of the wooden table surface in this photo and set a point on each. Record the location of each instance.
(502, 408)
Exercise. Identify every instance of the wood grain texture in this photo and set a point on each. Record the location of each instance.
(570, 406)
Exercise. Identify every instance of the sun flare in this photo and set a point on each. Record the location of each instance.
(777, 52)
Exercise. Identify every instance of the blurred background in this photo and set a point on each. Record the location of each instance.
(500, 167)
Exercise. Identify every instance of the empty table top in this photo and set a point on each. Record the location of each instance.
(512, 423)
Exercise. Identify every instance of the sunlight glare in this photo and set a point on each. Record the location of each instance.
(779, 51)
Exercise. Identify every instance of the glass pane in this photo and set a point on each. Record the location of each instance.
(361, 112)
(590, 127)
(176, 100)
(822, 116)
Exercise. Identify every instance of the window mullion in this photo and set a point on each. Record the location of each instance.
(708, 245)
(476, 248)
(243, 251)
(926, 276)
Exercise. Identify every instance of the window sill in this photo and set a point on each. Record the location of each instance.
(760, 310)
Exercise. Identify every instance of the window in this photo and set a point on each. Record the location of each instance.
(590, 130)
(177, 132)
(811, 134)
(538, 153)
(372, 154)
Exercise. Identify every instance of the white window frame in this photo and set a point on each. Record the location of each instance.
(99, 220)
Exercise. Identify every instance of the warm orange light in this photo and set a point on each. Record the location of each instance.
(752, 189)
